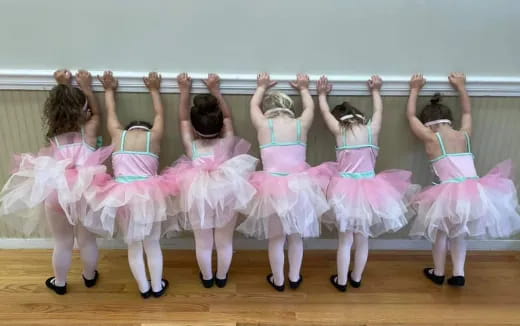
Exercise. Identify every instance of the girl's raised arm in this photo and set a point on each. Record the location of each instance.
(302, 85)
(263, 82)
(458, 81)
(416, 84)
(324, 87)
(110, 84)
(184, 82)
(374, 85)
(153, 83)
(213, 85)
(84, 80)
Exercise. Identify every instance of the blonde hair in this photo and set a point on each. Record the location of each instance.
(277, 100)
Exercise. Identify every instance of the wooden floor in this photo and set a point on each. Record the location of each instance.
(393, 293)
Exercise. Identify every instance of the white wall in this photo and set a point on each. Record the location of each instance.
(338, 37)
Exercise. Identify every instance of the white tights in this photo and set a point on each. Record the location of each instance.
(154, 259)
(346, 239)
(457, 250)
(277, 258)
(222, 238)
(63, 233)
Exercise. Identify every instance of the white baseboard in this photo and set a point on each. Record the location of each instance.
(249, 244)
(246, 83)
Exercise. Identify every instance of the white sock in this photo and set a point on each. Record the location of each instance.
(440, 248)
(295, 253)
(154, 258)
(345, 240)
(136, 263)
(458, 255)
(361, 256)
(63, 234)
(224, 246)
(276, 258)
(88, 250)
(204, 251)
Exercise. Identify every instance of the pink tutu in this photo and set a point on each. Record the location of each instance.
(288, 204)
(211, 188)
(484, 207)
(139, 206)
(370, 206)
(52, 178)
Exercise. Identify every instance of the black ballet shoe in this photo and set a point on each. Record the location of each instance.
(166, 284)
(61, 290)
(339, 287)
(457, 281)
(92, 282)
(353, 283)
(270, 280)
(295, 285)
(147, 294)
(221, 282)
(428, 272)
(206, 283)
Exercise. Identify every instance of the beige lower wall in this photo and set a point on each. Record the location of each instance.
(496, 132)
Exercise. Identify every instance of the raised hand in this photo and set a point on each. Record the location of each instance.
(153, 81)
(417, 82)
(212, 83)
(184, 82)
(264, 80)
(323, 86)
(375, 83)
(63, 77)
(457, 80)
(108, 80)
(301, 83)
(84, 79)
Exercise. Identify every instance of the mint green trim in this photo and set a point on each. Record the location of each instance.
(356, 147)
(123, 138)
(369, 127)
(448, 155)
(468, 141)
(148, 141)
(136, 153)
(298, 130)
(271, 127)
(280, 174)
(459, 180)
(441, 143)
(131, 178)
(283, 144)
(358, 175)
(99, 141)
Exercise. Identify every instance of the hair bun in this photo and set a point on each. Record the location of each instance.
(436, 99)
(206, 104)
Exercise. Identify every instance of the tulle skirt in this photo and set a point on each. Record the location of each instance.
(134, 208)
(209, 197)
(370, 206)
(58, 183)
(485, 207)
(285, 205)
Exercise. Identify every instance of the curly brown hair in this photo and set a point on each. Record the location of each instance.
(63, 110)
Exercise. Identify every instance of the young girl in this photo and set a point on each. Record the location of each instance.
(59, 176)
(290, 198)
(212, 178)
(462, 204)
(363, 204)
(137, 196)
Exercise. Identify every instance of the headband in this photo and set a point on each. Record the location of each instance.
(350, 116)
(85, 106)
(139, 127)
(291, 113)
(436, 122)
(206, 135)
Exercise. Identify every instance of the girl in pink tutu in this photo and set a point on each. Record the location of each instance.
(362, 203)
(463, 204)
(137, 196)
(212, 179)
(290, 197)
(59, 176)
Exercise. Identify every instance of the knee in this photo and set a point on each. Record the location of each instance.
(346, 239)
